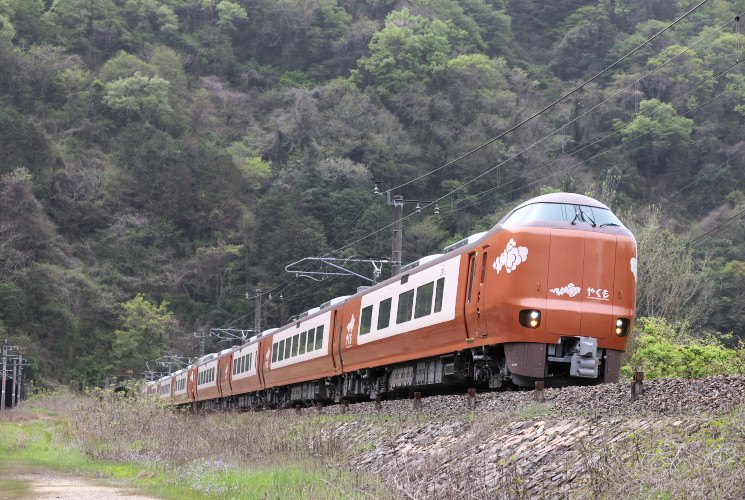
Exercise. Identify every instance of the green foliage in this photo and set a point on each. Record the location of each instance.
(669, 283)
(657, 137)
(145, 330)
(173, 148)
(410, 49)
(229, 13)
(663, 350)
(296, 78)
(589, 34)
(138, 96)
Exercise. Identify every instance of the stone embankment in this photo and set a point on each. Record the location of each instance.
(513, 447)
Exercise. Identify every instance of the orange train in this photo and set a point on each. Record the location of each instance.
(547, 294)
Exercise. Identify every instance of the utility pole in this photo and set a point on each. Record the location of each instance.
(397, 202)
(257, 312)
(20, 378)
(13, 390)
(398, 235)
(5, 366)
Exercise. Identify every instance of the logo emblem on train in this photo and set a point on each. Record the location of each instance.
(512, 257)
(571, 289)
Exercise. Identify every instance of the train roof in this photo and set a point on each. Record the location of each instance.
(568, 198)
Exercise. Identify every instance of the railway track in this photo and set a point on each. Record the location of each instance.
(660, 397)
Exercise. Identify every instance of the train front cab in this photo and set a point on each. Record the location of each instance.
(555, 285)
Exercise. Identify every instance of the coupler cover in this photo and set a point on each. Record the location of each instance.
(586, 361)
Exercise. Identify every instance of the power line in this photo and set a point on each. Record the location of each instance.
(609, 133)
(618, 146)
(716, 230)
(554, 103)
(546, 108)
(597, 139)
(703, 176)
(545, 137)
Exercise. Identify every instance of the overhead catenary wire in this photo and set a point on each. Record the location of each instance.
(546, 108)
(598, 138)
(554, 103)
(618, 146)
(543, 138)
(716, 230)
(704, 175)
(531, 183)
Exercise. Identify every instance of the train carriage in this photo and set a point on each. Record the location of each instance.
(303, 351)
(205, 372)
(180, 393)
(245, 377)
(165, 388)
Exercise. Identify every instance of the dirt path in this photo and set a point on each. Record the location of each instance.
(60, 487)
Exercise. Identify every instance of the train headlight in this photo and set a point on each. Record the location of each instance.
(622, 327)
(530, 318)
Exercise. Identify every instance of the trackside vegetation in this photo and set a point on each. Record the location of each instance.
(141, 443)
(664, 350)
(146, 447)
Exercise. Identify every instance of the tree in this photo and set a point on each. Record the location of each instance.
(91, 28)
(145, 330)
(138, 96)
(409, 49)
(588, 37)
(657, 138)
(670, 283)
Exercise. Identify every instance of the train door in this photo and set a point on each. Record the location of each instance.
(192, 383)
(475, 289)
(337, 327)
(224, 366)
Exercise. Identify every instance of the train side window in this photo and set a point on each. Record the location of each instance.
(294, 344)
(319, 337)
(311, 339)
(473, 276)
(438, 294)
(288, 348)
(234, 365)
(405, 306)
(384, 314)
(424, 300)
(244, 363)
(281, 348)
(303, 343)
(274, 352)
(366, 320)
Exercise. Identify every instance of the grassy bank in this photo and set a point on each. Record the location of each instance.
(143, 445)
(167, 453)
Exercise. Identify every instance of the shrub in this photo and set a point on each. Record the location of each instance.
(663, 350)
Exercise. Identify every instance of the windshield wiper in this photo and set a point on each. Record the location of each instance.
(585, 215)
(609, 224)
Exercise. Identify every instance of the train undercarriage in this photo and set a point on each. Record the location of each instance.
(572, 361)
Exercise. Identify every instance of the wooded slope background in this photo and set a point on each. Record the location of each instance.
(160, 160)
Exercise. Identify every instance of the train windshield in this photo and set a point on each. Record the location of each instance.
(599, 217)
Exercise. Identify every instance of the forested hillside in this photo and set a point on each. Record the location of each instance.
(160, 160)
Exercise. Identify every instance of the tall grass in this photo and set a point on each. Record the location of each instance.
(222, 454)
